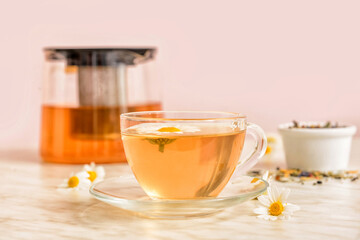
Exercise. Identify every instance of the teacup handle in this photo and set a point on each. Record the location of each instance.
(259, 150)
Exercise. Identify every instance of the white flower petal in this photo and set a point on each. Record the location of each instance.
(92, 165)
(100, 172)
(270, 193)
(266, 175)
(265, 217)
(84, 184)
(275, 193)
(284, 195)
(82, 175)
(273, 218)
(261, 210)
(87, 168)
(264, 200)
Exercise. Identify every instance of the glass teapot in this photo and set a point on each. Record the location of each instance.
(84, 92)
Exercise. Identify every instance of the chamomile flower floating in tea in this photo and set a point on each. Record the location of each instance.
(76, 181)
(274, 205)
(96, 173)
(163, 129)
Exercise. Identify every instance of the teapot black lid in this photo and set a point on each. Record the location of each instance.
(84, 56)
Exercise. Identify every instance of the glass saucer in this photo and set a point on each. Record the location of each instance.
(126, 193)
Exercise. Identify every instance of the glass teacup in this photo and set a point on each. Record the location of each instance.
(187, 155)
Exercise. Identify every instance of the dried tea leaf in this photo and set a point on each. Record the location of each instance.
(318, 125)
(296, 124)
(327, 125)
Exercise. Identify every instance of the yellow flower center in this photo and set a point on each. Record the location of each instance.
(73, 181)
(276, 208)
(255, 180)
(92, 175)
(268, 150)
(271, 140)
(169, 129)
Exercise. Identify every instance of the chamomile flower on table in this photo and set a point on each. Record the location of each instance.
(96, 173)
(274, 205)
(78, 181)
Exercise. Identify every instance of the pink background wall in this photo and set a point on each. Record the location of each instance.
(273, 60)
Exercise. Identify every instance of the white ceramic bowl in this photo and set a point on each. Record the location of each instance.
(322, 149)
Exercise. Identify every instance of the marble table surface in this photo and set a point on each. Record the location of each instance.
(32, 208)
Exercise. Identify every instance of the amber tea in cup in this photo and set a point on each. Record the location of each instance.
(185, 155)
